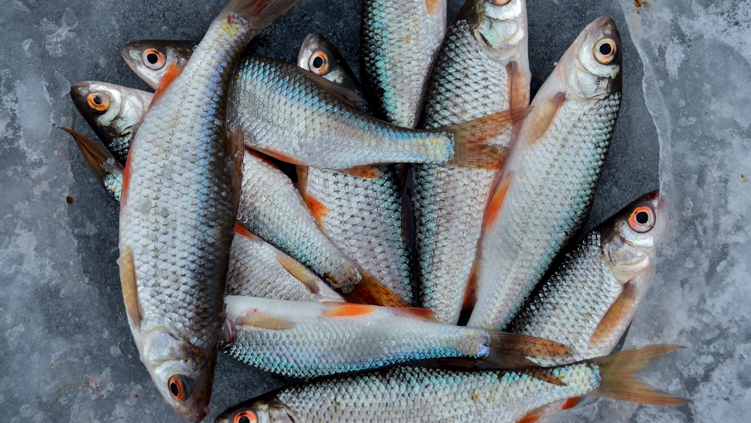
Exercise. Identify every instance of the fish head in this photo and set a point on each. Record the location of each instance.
(499, 25)
(183, 373)
(150, 59)
(99, 103)
(315, 55)
(629, 239)
(591, 67)
(257, 410)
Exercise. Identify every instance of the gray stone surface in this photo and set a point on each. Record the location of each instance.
(67, 352)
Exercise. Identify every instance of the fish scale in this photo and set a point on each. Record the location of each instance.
(469, 80)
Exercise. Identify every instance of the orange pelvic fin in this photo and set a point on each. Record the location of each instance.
(348, 310)
(317, 208)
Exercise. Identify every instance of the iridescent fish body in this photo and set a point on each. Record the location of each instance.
(420, 394)
(399, 42)
(150, 59)
(113, 112)
(362, 216)
(549, 180)
(481, 68)
(178, 208)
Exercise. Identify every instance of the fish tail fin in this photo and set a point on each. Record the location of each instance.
(511, 351)
(370, 291)
(258, 13)
(101, 162)
(473, 140)
(618, 372)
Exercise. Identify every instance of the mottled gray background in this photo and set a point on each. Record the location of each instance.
(65, 347)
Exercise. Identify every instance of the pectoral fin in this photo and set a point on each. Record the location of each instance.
(130, 287)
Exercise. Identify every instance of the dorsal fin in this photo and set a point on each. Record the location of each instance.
(130, 287)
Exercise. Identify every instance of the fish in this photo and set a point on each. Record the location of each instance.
(399, 40)
(362, 216)
(426, 394)
(481, 68)
(177, 212)
(300, 118)
(318, 339)
(150, 59)
(591, 295)
(545, 191)
(258, 269)
(318, 56)
(113, 112)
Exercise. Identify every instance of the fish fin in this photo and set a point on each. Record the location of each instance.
(126, 181)
(532, 416)
(170, 75)
(509, 360)
(299, 272)
(337, 91)
(258, 13)
(370, 291)
(432, 6)
(262, 157)
(302, 178)
(495, 204)
(542, 115)
(370, 172)
(618, 376)
(259, 321)
(470, 292)
(570, 403)
(518, 86)
(101, 162)
(233, 162)
(527, 345)
(348, 310)
(545, 375)
(472, 140)
(229, 334)
(317, 208)
(420, 313)
(620, 309)
(130, 287)
(241, 229)
(261, 154)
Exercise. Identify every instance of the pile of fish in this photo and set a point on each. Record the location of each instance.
(435, 184)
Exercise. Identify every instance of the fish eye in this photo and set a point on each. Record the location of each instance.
(319, 63)
(180, 387)
(153, 59)
(642, 219)
(245, 416)
(605, 50)
(99, 102)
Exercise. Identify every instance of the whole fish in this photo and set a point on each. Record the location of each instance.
(150, 59)
(177, 212)
(481, 68)
(591, 296)
(301, 118)
(316, 339)
(398, 43)
(419, 394)
(113, 112)
(362, 216)
(548, 183)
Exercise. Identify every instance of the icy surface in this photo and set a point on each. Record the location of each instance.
(67, 352)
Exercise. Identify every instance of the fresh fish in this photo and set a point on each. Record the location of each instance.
(300, 118)
(102, 163)
(177, 212)
(319, 56)
(258, 269)
(150, 59)
(362, 216)
(419, 394)
(399, 42)
(315, 339)
(481, 68)
(548, 183)
(591, 296)
(272, 208)
(113, 112)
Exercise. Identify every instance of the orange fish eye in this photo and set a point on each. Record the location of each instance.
(319, 63)
(153, 59)
(642, 219)
(178, 387)
(98, 102)
(245, 416)
(605, 50)
(501, 2)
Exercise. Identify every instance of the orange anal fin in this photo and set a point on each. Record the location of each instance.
(170, 75)
(240, 229)
(420, 313)
(541, 117)
(432, 5)
(130, 287)
(370, 172)
(348, 310)
(370, 291)
(621, 309)
(318, 209)
(493, 208)
(233, 162)
(532, 416)
(570, 403)
(259, 321)
(299, 272)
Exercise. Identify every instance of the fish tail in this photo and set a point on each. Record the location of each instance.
(370, 291)
(473, 140)
(258, 13)
(618, 373)
(510, 350)
(95, 156)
